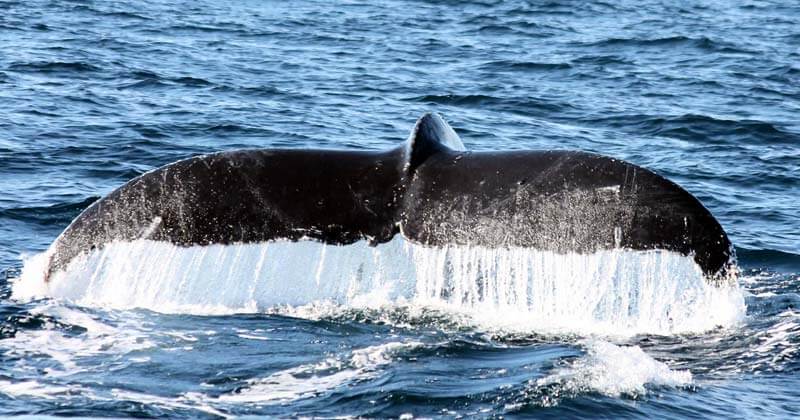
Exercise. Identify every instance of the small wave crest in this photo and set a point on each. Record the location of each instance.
(774, 259)
(53, 67)
(615, 292)
(610, 370)
(47, 215)
(311, 380)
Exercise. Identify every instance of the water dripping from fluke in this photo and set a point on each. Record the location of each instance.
(616, 292)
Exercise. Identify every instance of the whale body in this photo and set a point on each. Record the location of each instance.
(429, 189)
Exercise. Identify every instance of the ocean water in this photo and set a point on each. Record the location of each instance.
(705, 93)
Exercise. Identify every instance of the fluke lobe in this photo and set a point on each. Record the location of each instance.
(429, 189)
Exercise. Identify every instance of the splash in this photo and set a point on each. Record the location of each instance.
(614, 371)
(619, 292)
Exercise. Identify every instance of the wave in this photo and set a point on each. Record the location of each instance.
(774, 259)
(66, 338)
(53, 67)
(125, 15)
(222, 27)
(701, 43)
(12, 28)
(313, 379)
(613, 371)
(192, 81)
(513, 65)
(603, 59)
(128, 342)
(142, 84)
(521, 106)
(148, 79)
(692, 126)
(48, 215)
(616, 292)
(504, 30)
(453, 99)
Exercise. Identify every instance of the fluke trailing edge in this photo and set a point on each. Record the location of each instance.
(429, 189)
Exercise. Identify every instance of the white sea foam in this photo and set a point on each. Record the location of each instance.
(50, 391)
(69, 355)
(776, 343)
(614, 371)
(618, 292)
(307, 381)
(65, 351)
(32, 388)
(186, 401)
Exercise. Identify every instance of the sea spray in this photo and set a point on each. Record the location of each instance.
(619, 292)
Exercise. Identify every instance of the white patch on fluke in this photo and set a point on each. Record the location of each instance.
(616, 292)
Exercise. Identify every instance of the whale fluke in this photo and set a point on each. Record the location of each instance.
(429, 189)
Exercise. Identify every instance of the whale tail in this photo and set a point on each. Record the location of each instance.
(430, 189)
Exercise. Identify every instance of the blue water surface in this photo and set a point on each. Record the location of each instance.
(94, 93)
